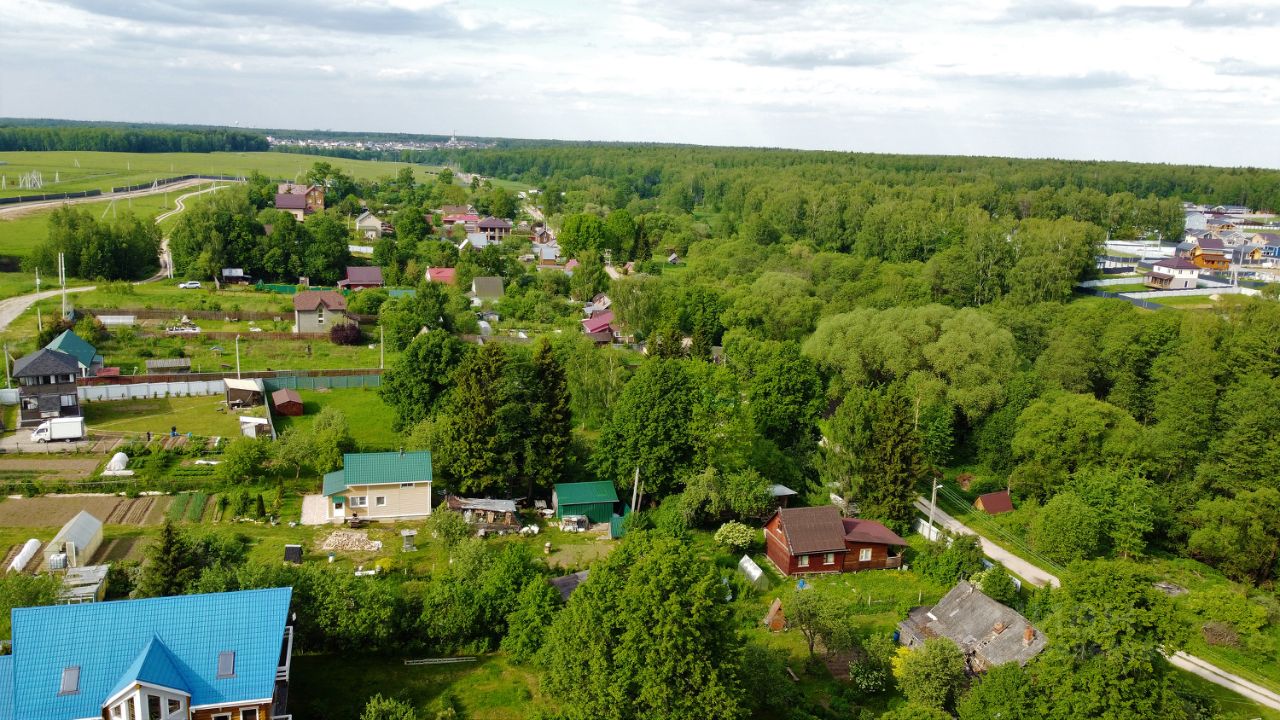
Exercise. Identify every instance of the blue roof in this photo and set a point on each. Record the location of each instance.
(6, 687)
(157, 640)
(155, 665)
(382, 468)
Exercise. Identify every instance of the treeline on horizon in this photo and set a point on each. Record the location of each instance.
(53, 136)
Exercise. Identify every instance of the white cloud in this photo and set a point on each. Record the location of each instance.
(1157, 80)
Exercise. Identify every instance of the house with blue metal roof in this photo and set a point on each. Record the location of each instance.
(380, 486)
(221, 656)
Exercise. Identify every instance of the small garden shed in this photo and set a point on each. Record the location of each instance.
(596, 500)
(287, 402)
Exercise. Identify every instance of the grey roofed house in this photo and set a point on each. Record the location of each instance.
(987, 632)
(566, 584)
(45, 362)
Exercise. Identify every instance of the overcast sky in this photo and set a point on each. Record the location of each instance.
(1150, 80)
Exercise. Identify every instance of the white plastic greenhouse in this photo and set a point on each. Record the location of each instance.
(75, 543)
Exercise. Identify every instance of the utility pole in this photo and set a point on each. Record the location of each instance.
(635, 488)
(237, 357)
(62, 278)
(382, 348)
(932, 504)
(7, 381)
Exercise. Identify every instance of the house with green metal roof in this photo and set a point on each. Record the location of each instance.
(380, 486)
(86, 355)
(596, 500)
(220, 655)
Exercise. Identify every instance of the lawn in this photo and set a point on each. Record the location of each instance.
(491, 688)
(197, 415)
(369, 417)
(105, 170)
(20, 233)
(1185, 301)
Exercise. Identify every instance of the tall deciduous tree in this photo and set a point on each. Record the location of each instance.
(647, 636)
(416, 384)
(932, 675)
(649, 429)
(1109, 633)
(1240, 535)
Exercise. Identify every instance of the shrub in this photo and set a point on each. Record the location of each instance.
(345, 334)
(984, 485)
(735, 536)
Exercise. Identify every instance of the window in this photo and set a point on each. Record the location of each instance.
(153, 707)
(320, 314)
(828, 559)
(380, 500)
(130, 709)
(337, 506)
(804, 561)
(221, 716)
(174, 706)
(116, 712)
(408, 485)
(70, 680)
(226, 664)
(249, 714)
(359, 501)
(864, 555)
(68, 400)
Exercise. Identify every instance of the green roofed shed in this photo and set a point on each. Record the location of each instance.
(75, 346)
(596, 500)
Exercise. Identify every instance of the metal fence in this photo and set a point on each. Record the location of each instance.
(49, 196)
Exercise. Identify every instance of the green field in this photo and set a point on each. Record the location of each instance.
(21, 232)
(205, 416)
(369, 417)
(105, 170)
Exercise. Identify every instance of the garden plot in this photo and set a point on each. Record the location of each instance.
(56, 510)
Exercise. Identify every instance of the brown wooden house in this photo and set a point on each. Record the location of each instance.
(807, 540)
(994, 503)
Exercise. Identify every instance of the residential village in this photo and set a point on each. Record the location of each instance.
(396, 463)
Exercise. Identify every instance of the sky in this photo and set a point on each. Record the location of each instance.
(1179, 81)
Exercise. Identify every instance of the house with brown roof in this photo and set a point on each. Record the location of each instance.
(994, 503)
(313, 194)
(359, 278)
(295, 205)
(806, 540)
(315, 311)
(495, 229)
(1209, 253)
(1175, 273)
(988, 633)
(287, 401)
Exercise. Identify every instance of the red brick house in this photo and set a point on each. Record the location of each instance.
(799, 541)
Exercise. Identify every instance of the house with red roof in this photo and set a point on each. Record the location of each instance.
(806, 540)
(599, 327)
(445, 275)
(994, 503)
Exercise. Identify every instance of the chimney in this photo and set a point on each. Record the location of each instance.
(1028, 635)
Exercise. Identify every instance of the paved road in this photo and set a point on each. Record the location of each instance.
(11, 308)
(1017, 565)
(1039, 577)
(24, 208)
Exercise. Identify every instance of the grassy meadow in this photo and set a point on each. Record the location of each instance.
(105, 170)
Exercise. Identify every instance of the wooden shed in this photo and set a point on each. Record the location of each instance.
(287, 401)
(994, 503)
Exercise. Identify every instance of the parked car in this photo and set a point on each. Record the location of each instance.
(190, 285)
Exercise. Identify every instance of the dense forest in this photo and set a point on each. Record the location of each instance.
(58, 135)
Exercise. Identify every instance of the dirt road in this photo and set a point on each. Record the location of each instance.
(166, 258)
(20, 209)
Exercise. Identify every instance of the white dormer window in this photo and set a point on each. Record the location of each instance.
(320, 313)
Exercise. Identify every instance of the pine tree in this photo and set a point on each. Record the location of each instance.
(479, 449)
(550, 423)
(166, 572)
